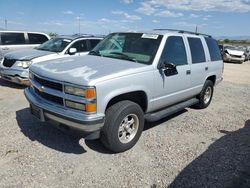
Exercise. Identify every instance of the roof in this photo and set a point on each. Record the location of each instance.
(76, 36)
(166, 31)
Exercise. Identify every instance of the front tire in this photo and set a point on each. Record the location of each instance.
(124, 123)
(206, 95)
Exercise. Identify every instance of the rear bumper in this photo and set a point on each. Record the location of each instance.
(87, 124)
(15, 76)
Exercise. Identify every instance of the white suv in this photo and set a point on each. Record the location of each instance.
(14, 40)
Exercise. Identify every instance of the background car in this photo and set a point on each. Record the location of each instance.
(14, 66)
(14, 40)
(233, 54)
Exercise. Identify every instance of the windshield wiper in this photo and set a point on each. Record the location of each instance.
(93, 52)
(124, 56)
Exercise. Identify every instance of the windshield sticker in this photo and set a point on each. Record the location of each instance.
(149, 36)
(66, 40)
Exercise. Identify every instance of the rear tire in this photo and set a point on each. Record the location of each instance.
(206, 95)
(124, 123)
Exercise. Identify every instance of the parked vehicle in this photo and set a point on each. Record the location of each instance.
(246, 52)
(233, 54)
(15, 65)
(127, 78)
(14, 40)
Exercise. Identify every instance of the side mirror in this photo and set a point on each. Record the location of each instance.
(72, 51)
(169, 69)
(168, 66)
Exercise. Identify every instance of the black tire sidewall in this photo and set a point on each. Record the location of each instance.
(114, 117)
(207, 84)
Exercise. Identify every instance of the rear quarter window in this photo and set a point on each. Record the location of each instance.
(197, 50)
(214, 49)
(12, 38)
(35, 38)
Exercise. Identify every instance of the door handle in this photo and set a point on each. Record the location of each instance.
(5, 48)
(188, 72)
(206, 68)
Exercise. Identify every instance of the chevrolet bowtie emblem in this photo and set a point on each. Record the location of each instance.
(41, 89)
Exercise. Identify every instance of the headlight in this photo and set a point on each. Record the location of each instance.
(24, 64)
(88, 93)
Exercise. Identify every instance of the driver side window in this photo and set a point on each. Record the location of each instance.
(174, 51)
(81, 46)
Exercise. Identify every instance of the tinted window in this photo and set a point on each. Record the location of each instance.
(94, 42)
(37, 38)
(12, 38)
(214, 49)
(174, 51)
(81, 46)
(197, 50)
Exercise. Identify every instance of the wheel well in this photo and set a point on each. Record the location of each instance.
(138, 97)
(212, 78)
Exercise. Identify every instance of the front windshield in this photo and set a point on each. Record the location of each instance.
(54, 45)
(137, 47)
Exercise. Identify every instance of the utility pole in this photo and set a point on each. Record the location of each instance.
(6, 23)
(79, 24)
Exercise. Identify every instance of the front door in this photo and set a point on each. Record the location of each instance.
(172, 79)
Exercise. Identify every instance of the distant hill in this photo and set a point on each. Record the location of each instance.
(233, 37)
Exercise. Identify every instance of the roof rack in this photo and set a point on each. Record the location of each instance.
(183, 31)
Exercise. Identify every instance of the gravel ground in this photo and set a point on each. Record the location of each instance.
(194, 148)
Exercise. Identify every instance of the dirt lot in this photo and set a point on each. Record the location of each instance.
(195, 148)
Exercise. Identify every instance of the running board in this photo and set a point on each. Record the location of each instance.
(155, 116)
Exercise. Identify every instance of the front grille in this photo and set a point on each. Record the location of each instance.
(49, 97)
(48, 83)
(8, 62)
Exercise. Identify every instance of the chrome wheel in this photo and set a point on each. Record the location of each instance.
(207, 95)
(128, 128)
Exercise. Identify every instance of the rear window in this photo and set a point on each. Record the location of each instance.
(35, 38)
(197, 50)
(12, 38)
(214, 49)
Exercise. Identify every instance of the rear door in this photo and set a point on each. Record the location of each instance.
(172, 88)
(199, 66)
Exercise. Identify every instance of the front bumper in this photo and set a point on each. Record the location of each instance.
(73, 119)
(15, 75)
(234, 59)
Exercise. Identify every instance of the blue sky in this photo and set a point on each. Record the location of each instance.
(215, 17)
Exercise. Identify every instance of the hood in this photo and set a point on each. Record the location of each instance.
(235, 52)
(85, 70)
(27, 54)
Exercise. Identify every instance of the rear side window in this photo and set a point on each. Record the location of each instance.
(35, 38)
(93, 42)
(214, 49)
(12, 38)
(174, 51)
(197, 50)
